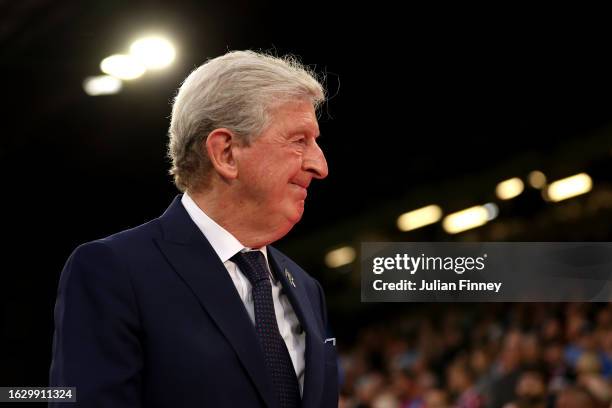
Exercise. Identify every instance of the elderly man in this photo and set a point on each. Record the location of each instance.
(194, 308)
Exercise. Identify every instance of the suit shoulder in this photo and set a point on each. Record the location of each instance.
(120, 244)
(110, 259)
(143, 232)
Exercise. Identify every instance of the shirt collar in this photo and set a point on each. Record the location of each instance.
(222, 241)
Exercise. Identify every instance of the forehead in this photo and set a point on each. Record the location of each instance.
(295, 117)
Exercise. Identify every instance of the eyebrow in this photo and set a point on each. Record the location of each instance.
(304, 131)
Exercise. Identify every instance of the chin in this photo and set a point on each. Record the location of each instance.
(291, 221)
(284, 230)
(293, 212)
(299, 212)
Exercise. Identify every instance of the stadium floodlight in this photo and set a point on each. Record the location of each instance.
(340, 257)
(123, 67)
(419, 218)
(492, 211)
(510, 188)
(102, 85)
(153, 52)
(537, 179)
(466, 219)
(569, 187)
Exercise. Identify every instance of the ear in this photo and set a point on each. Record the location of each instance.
(219, 147)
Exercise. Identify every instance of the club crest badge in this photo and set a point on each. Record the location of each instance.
(290, 277)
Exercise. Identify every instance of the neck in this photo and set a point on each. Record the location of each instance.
(241, 220)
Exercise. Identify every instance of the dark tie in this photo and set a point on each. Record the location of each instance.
(278, 362)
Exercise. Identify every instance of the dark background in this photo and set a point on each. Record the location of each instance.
(425, 106)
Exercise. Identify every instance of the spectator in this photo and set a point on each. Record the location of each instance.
(461, 384)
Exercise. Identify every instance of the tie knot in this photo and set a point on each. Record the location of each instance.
(253, 265)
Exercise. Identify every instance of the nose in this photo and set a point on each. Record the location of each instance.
(314, 162)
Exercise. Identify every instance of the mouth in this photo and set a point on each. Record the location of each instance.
(302, 188)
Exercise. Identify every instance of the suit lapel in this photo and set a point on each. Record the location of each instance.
(314, 355)
(195, 261)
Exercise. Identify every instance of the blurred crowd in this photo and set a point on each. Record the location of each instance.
(521, 355)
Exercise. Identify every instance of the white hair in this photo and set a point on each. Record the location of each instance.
(234, 91)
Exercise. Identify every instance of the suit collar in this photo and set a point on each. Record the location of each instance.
(222, 241)
(176, 225)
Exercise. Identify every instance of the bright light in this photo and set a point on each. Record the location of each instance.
(510, 188)
(466, 219)
(492, 211)
(122, 67)
(419, 218)
(102, 85)
(153, 52)
(340, 257)
(569, 187)
(537, 179)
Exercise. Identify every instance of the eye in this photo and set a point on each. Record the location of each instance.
(300, 140)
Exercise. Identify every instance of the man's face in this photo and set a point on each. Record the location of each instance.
(275, 171)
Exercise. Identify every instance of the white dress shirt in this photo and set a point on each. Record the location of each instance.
(226, 246)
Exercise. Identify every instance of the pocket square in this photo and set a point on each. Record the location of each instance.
(331, 340)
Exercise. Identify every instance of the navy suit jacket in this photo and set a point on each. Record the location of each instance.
(150, 317)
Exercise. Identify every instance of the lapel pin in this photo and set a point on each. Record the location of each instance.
(289, 277)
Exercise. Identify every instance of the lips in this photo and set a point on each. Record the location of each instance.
(302, 188)
(301, 183)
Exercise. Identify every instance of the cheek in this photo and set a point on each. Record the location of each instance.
(283, 171)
